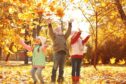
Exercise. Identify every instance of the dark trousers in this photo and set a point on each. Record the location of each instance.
(59, 60)
(76, 65)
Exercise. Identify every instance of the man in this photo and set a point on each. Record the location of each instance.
(60, 50)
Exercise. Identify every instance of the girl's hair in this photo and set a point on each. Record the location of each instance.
(39, 46)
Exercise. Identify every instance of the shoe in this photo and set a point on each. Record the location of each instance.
(52, 82)
(35, 82)
(61, 79)
(73, 79)
(42, 82)
(77, 78)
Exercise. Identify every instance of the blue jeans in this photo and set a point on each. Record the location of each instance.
(76, 65)
(37, 71)
(59, 60)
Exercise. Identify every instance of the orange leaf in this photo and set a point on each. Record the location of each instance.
(39, 11)
(48, 14)
(39, 4)
(23, 1)
(19, 21)
(71, 0)
(52, 8)
(44, 1)
(60, 12)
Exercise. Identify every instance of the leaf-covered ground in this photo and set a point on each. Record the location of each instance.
(20, 74)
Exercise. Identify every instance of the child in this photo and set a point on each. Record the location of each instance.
(38, 58)
(76, 53)
(60, 50)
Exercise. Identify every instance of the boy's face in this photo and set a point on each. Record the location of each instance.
(58, 31)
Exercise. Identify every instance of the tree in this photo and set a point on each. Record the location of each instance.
(121, 11)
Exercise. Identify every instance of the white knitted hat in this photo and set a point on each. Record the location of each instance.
(42, 39)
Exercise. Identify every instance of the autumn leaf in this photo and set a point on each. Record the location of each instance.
(71, 0)
(103, 4)
(29, 54)
(44, 1)
(60, 12)
(23, 1)
(52, 8)
(86, 1)
(14, 49)
(39, 4)
(39, 11)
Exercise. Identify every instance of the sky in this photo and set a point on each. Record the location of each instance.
(77, 16)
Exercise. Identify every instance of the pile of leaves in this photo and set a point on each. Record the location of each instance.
(20, 74)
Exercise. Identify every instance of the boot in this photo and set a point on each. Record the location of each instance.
(35, 82)
(77, 79)
(73, 79)
(60, 79)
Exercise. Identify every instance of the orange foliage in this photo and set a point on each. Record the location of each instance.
(6, 21)
(23, 1)
(39, 4)
(48, 14)
(44, 1)
(19, 21)
(52, 8)
(39, 11)
(60, 12)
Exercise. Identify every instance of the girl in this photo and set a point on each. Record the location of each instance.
(38, 58)
(76, 53)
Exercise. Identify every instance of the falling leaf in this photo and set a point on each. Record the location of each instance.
(103, 4)
(112, 60)
(86, 1)
(71, 0)
(60, 11)
(121, 62)
(14, 49)
(23, 1)
(39, 4)
(22, 31)
(29, 54)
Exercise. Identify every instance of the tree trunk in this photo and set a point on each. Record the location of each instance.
(121, 11)
(10, 48)
(0, 53)
(27, 42)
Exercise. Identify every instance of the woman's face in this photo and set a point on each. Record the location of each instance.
(37, 41)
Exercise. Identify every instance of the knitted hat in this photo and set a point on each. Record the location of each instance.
(42, 39)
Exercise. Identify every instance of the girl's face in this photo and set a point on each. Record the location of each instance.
(37, 41)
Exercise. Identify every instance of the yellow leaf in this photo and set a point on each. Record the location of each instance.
(14, 49)
(71, 0)
(86, 1)
(112, 60)
(121, 62)
(29, 54)
(22, 30)
(103, 4)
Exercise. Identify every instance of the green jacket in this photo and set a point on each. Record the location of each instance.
(38, 58)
